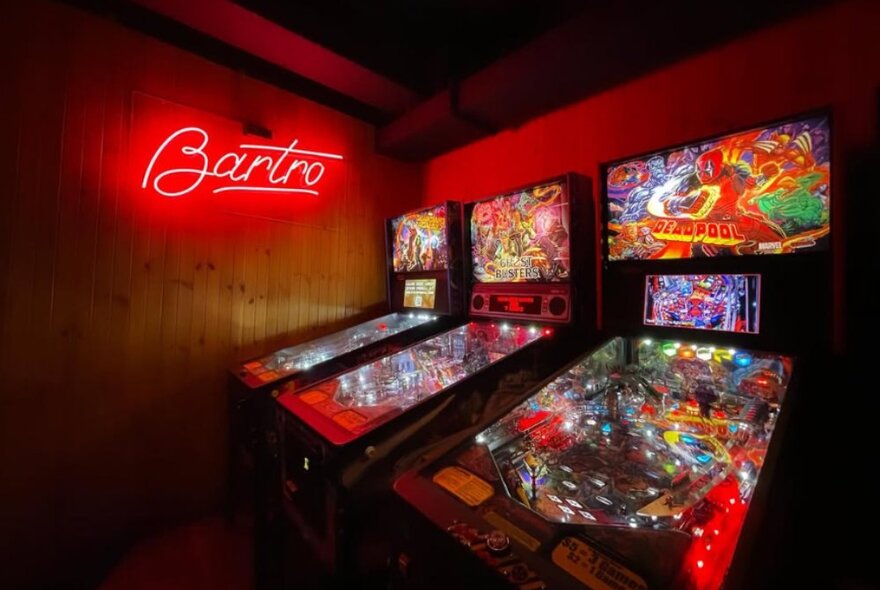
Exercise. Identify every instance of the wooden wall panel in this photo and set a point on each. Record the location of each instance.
(117, 323)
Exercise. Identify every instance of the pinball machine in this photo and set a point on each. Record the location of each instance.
(424, 289)
(424, 294)
(346, 438)
(647, 462)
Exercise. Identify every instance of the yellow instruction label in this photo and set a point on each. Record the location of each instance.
(593, 568)
(464, 485)
(268, 376)
(349, 419)
(313, 397)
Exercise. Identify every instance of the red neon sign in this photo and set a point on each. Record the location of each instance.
(252, 167)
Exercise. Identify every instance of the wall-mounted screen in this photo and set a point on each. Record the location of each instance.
(522, 236)
(419, 293)
(764, 191)
(420, 240)
(725, 303)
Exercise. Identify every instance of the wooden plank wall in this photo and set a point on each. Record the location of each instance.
(116, 323)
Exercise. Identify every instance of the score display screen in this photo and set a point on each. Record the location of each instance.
(522, 237)
(420, 241)
(725, 303)
(524, 304)
(763, 191)
(419, 293)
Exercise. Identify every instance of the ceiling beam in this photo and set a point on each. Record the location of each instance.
(245, 30)
(581, 57)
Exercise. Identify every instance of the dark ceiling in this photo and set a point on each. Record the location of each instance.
(433, 75)
(422, 44)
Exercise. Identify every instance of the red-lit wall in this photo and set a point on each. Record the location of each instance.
(118, 316)
(829, 58)
(118, 313)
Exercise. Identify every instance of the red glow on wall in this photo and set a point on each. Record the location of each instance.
(248, 167)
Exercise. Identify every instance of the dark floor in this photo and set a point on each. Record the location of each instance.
(209, 555)
(216, 555)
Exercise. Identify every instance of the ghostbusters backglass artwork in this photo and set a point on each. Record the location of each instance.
(763, 191)
(522, 236)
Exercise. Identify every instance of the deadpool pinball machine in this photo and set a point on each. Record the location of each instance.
(647, 462)
(346, 438)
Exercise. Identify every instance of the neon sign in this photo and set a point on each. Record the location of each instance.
(254, 167)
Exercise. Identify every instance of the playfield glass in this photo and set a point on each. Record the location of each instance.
(522, 236)
(764, 191)
(667, 448)
(362, 399)
(301, 357)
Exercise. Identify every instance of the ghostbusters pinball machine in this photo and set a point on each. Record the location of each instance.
(346, 438)
(646, 463)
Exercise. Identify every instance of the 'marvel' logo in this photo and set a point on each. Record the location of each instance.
(253, 167)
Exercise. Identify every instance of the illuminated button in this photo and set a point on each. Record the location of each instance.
(558, 305)
(742, 359)
(497, 542)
